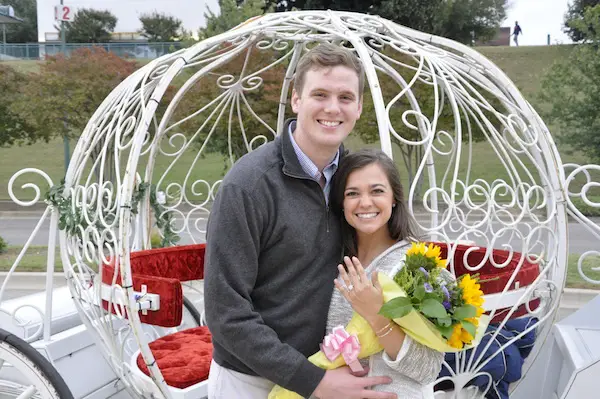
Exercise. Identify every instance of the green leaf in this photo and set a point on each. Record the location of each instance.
(419, 292)
(444, 321)
(465, 312)
(432, 308)
(445, 331)
(396, 308)
(469, 327)
(433, 295)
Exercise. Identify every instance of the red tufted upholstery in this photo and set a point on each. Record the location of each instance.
(184, 263)
(183, 358)
(162, 270)
(496, 278)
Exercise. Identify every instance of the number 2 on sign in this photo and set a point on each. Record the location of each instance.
(63, 13)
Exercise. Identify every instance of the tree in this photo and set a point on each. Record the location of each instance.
(160, 27)
(91, 26)
(230, 16)
(13, 128)
(574, 16)
(469, 20)
(68, 90)
(26, 31)
(342, 5)
(460, 20)
(572, 88)
(422, 15)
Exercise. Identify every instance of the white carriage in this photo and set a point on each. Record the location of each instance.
(144, 160)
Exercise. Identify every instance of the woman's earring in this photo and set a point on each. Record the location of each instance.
(393, 205)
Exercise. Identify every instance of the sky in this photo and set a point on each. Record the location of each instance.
(538, 18)
(190, 12)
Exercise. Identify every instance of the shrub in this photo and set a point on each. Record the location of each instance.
(3, 245)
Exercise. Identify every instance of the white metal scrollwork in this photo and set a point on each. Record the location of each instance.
(431, 97)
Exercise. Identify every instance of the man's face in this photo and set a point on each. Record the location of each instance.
(328, 106)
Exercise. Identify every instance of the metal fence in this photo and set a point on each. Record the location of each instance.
(36, 51)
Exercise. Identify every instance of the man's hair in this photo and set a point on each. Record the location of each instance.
(327, 55)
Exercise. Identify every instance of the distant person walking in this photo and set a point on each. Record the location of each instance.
(516, 32)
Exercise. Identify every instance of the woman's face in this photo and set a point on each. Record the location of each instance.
(368, 200)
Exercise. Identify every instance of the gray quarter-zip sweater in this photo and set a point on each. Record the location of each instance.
(272, 252)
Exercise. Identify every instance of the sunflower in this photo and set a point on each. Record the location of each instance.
(417, 249)
(433, 251)
(465, 336)
(459, 337)
(454, 340)
(471, 292)
(441, 263)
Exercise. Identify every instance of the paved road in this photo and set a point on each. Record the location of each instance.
(17, 227)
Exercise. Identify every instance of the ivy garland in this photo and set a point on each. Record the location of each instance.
(163, 218)
(72, 220)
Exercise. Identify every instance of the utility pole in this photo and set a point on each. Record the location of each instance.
(63, 39)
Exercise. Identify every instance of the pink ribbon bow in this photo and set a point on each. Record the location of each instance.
(339, 342)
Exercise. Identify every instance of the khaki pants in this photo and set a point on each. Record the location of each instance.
(228, 384)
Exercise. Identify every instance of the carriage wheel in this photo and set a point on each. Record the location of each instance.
(190, 309)
(37, 377)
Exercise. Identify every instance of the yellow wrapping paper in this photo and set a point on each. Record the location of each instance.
(414, 325)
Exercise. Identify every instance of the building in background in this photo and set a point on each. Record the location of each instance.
(190, 12)
(7, 16)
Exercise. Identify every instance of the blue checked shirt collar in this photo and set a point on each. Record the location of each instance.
(310, 168)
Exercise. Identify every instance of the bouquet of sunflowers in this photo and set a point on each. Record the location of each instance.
(425, 300)
(434, 308)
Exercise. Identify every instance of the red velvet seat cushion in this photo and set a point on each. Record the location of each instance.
(183, 357)
(183, 262)
(161, 271)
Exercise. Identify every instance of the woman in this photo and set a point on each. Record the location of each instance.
(376, 228)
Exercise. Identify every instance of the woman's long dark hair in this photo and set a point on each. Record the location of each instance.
(401, 224)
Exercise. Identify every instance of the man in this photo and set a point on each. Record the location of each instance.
(516, 32)
(273, 245)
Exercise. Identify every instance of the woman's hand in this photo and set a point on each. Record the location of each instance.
(365, 296)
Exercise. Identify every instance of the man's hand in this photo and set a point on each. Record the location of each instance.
(340, 383)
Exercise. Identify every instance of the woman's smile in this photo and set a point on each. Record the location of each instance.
(368, 200)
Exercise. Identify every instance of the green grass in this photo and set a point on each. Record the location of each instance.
(574, 279)
(525, 65)
(23, 66)
(36, 258)
(49, 158)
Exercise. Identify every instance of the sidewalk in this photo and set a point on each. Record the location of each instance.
(9, 206)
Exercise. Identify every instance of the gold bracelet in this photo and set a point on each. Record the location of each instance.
(383, 328)
(386, 333)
